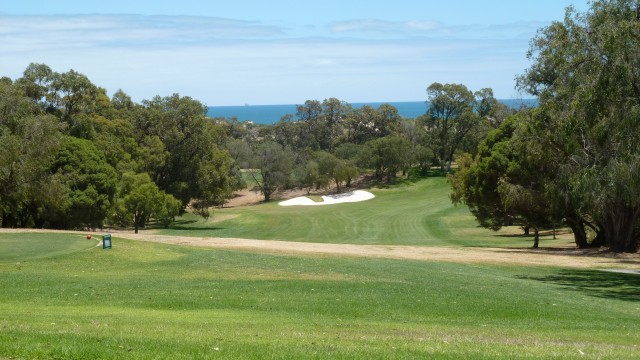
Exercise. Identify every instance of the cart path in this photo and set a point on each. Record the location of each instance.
(564, 257)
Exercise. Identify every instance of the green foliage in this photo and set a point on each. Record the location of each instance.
(586, 77)
(185, 151)
(271, 167)
(140, 200)
(91, 182)
(308, 176)
(506, 182)
(450, 118)
(29, 191)
(389, 155)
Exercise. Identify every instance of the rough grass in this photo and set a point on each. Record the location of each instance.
(413, 213)
(149, 301)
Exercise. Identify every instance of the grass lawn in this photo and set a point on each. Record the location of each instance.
(148, 301)
(412, 213)
(65, 298)
(20, 247)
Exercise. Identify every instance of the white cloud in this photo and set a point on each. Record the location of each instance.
(104, 30)
(402, 29)
(223, 61)
(384, 27)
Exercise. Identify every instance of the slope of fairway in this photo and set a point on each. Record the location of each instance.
(157, 301)
(29, 246)
(414, 213)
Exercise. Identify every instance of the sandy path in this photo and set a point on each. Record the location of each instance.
(550, 257)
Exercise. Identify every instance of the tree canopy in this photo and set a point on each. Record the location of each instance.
(577, 157)
(67, 150)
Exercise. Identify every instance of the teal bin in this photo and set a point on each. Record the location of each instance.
(106, 241)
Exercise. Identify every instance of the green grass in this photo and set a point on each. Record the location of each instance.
(413, 213)
(154, 301)
(29, 246)
(65, 298)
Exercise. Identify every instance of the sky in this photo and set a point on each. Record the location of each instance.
(278, 51)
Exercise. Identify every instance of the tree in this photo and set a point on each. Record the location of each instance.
(185, 151)
(91, 184)
(36, 82)
(332, 168)
(28, 144)
(367, 123)
(350, 154)
(506, 183)
(585, 74)
(308, 176)
(449, 119)
(476, 180)
(271, 167)
(139, 200)
(388, 155)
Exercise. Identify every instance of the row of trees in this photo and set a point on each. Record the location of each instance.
(576, 158)
(70, 157)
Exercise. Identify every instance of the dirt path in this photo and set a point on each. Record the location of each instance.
(566, 257)
(549, 257)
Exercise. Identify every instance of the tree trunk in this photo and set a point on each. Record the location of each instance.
(579, 233)
(526, 230)
(536, 237)
(136, 222)
(620, 229)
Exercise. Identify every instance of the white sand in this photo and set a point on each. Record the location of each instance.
(354, 196)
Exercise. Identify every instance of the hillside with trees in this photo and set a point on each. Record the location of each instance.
(73, 158)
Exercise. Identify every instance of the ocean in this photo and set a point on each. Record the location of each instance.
(271, 114)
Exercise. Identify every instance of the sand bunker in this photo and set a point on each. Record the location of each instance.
(354, 196)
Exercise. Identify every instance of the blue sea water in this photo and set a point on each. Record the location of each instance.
(271, 114)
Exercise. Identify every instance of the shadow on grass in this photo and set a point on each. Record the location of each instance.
(597, 283)
(411, 177)
(193, 228)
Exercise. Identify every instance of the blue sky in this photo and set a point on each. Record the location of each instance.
(278, 52)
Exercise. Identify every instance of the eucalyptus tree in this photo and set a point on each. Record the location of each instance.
(271, 167)
(389, 155)
(585, 73)
(188, 151)
(449, 119)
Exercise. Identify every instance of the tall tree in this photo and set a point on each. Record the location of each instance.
(91, 183)
(585, 73)
(186, 150)
(271, 167)
(450, 118)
